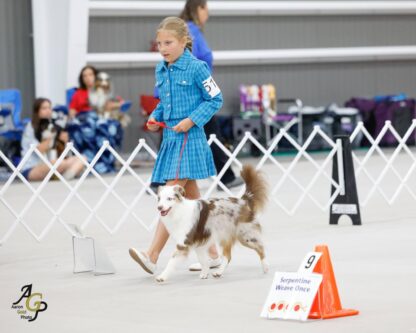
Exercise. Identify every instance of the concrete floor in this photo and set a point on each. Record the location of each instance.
(374, 266)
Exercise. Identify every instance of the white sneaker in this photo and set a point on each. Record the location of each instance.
(213, 263)
(143, 260)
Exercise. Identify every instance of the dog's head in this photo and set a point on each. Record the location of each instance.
(102, 81)
(168, 197)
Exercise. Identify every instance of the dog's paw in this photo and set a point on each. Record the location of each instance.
(265, 265)
(203, 276)
(160, 278)
(217, 274)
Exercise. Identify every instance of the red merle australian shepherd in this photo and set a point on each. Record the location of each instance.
(198, 224)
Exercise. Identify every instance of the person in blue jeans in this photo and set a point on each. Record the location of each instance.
(189, 97)
(196, 14)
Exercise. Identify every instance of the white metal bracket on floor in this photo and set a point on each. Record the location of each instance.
(89, 255)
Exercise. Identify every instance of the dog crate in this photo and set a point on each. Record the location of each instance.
(345, 120)
(243, 125)
(311, 117)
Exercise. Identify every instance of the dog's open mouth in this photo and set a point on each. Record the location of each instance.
(165, 212)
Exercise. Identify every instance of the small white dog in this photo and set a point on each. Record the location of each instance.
(198, 224)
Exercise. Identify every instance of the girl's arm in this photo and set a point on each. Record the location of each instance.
(211, 94)
(29, 138)
(157, 113)
(72, 113)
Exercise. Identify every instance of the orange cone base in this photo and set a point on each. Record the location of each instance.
(335, 314)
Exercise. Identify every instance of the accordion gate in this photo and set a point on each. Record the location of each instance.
(287, 174)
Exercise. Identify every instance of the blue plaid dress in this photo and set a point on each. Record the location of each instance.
(186, 90)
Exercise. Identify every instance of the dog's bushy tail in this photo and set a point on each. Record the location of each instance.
(256, 188)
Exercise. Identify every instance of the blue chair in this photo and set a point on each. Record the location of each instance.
(65, 108)
(11, 126)
(69, 94)
(125, 106)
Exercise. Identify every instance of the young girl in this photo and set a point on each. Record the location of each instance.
(196, 14)
(35, 169)
(189, 97)
(80, 100)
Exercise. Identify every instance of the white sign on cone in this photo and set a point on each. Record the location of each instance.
(291, 295)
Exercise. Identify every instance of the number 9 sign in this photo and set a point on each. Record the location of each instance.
(309, 262)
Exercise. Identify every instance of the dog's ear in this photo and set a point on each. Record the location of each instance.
(179, 189)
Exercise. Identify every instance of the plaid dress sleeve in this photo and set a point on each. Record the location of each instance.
(211, 95)
(158, 112)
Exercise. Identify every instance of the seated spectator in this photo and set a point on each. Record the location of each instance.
(41, 131)
(95, 93)
(80, 100)
(88, 128)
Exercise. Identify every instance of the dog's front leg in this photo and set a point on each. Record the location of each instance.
(202, 254)
(173, 261)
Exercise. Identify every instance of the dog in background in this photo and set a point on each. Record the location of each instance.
(101, 97)
(52, 129)
(198, 224)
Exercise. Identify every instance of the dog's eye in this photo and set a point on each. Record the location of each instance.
(170, 199)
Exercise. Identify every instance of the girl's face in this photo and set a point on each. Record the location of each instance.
(170, 47)
(45, 110)
(88, 77)
(203, 14)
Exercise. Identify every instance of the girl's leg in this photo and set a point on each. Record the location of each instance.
(71, 167)
(38, 172)
(192, 190)
(161, 235)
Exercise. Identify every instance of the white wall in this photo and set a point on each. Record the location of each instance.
(60, 34)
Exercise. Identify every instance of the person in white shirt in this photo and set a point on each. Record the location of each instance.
(35, 169)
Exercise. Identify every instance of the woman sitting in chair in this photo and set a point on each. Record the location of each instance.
(89, 128)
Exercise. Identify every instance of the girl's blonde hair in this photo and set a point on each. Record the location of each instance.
(178, 27)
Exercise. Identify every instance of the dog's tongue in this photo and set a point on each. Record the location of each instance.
(164, 212)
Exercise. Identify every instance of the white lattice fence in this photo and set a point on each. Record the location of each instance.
(281, 172)
(403, 181)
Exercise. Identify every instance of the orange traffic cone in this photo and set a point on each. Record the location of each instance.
(327, 303)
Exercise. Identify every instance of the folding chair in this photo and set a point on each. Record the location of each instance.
(11, 126)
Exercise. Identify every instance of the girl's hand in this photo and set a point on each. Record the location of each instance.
(112, 105)
(184, 126)
(151, 127)
(72, 114)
